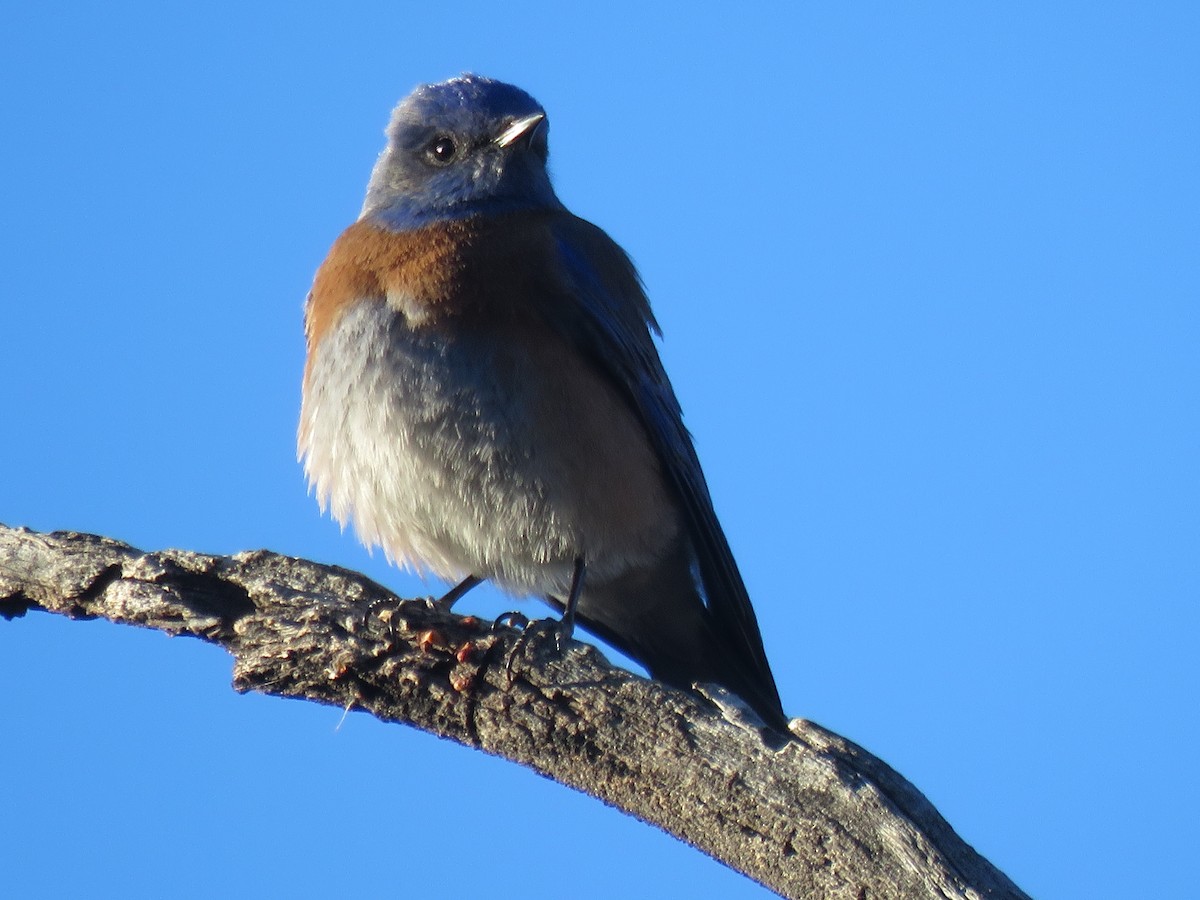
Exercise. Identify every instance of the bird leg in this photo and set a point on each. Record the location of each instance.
(446, 602)
(563, 629)
(567, 625)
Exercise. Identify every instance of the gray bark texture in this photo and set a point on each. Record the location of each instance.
(816, 817)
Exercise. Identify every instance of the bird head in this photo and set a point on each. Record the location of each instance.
(461, 147)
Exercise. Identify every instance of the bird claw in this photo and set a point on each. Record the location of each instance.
(385, 609)
(438, 604)
(511, 619)
(561, 630)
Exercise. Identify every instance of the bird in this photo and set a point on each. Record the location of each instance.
(483, 399)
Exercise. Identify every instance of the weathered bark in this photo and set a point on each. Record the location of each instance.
(819, 817)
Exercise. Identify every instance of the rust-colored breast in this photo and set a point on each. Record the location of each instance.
(368, 262)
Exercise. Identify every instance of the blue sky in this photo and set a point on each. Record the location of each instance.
(930, 282)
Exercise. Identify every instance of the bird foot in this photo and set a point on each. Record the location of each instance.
(385, 609)
(560, 631)
(511, 619)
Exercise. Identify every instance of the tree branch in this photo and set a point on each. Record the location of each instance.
(820, 817)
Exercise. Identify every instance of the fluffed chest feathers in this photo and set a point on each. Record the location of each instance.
(490, 452)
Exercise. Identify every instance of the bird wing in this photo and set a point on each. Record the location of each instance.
(603, 310)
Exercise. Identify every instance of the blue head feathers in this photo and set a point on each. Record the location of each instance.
(457, 148)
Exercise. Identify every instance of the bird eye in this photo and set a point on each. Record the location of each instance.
(441, 151)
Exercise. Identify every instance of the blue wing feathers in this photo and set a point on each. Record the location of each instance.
(613, 325)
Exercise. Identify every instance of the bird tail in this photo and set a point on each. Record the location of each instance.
(658, 617)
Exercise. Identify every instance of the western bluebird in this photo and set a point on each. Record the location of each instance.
(483, 399)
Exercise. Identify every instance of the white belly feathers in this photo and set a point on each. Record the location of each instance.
(449, 457)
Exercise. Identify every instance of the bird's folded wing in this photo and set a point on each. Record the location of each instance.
(602, 308)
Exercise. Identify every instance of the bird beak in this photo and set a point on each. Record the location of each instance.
(518, 128)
